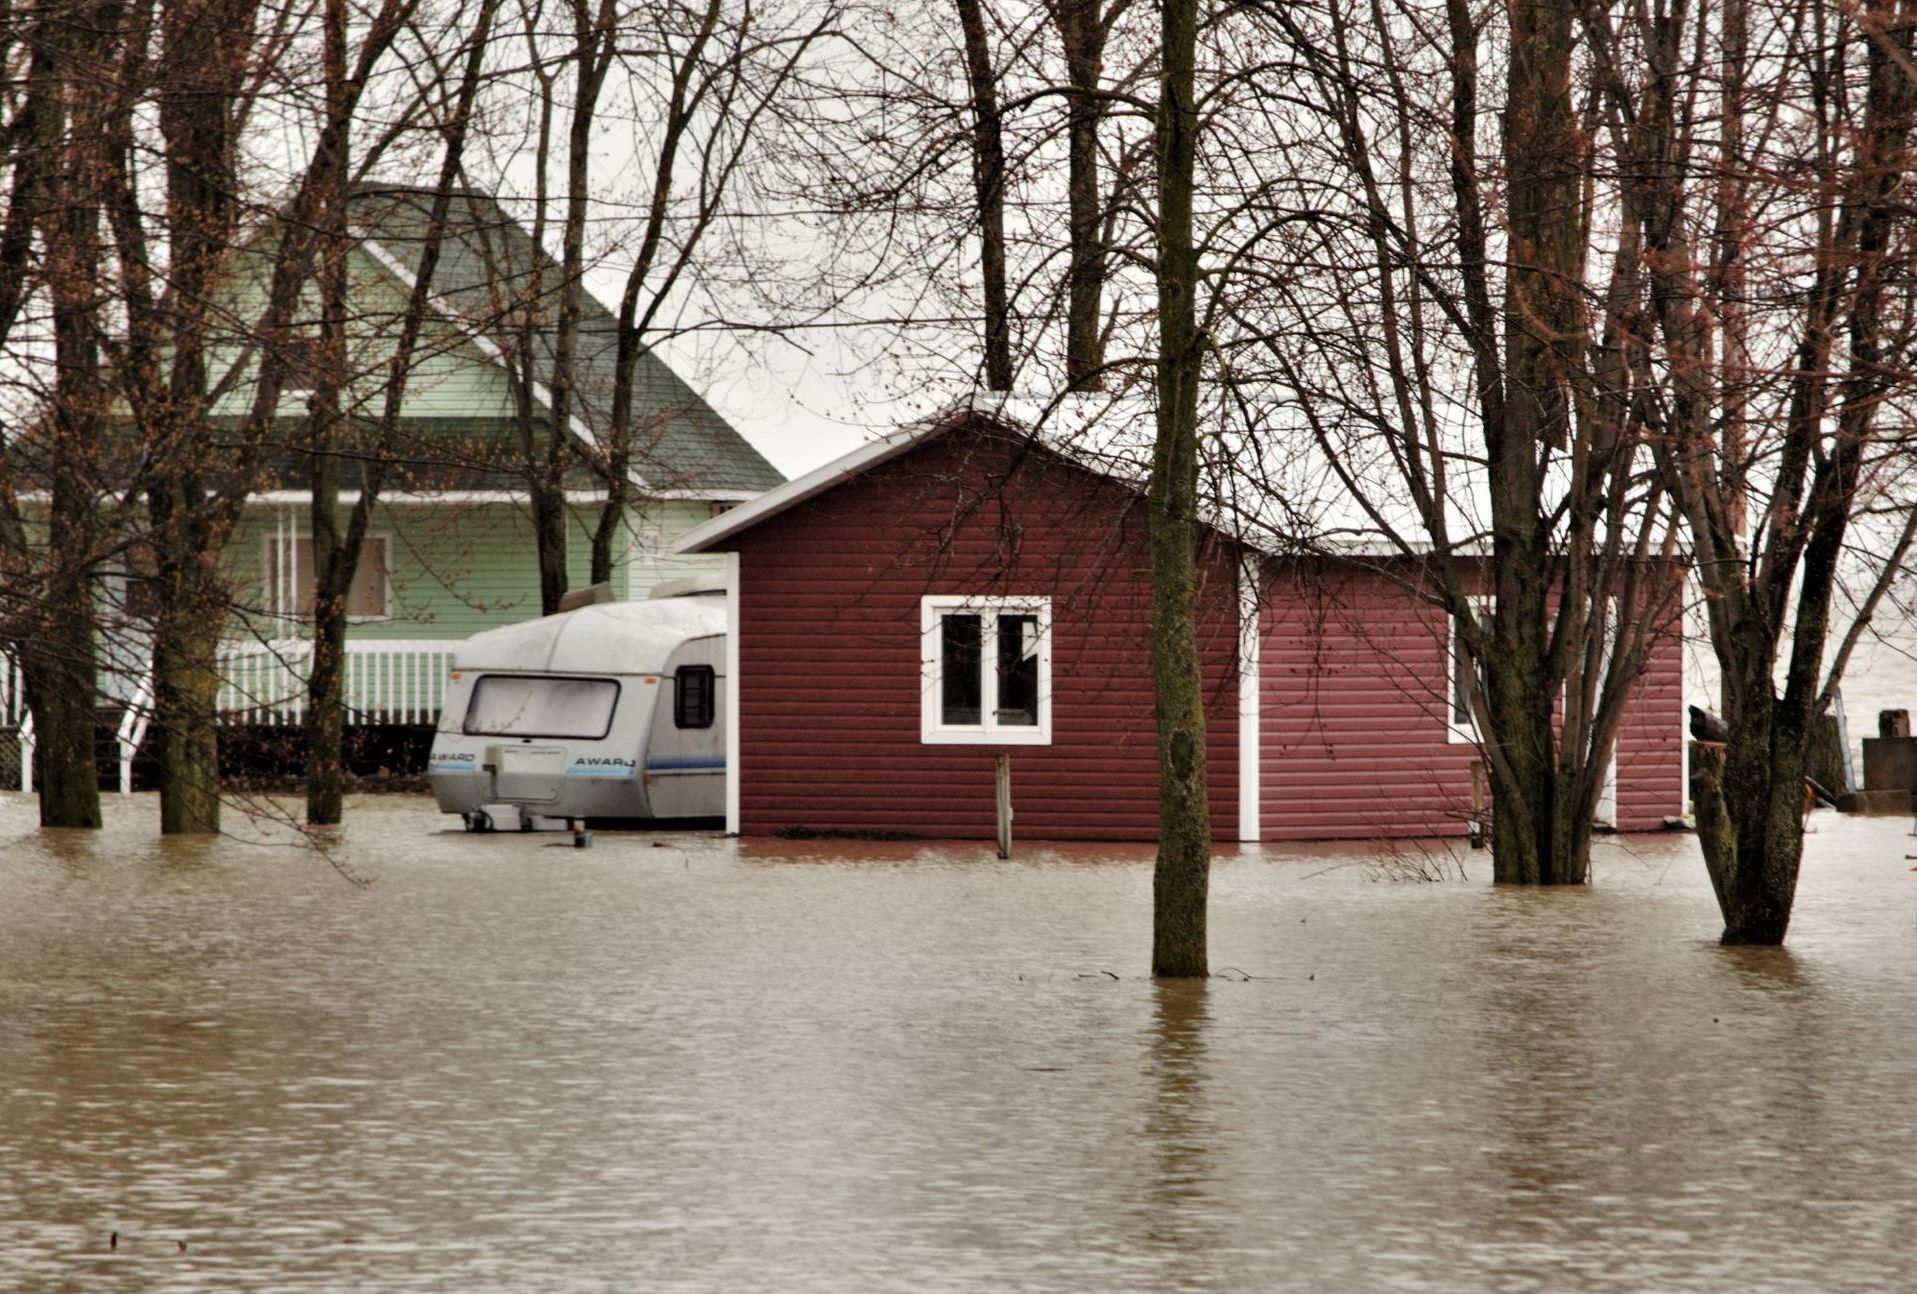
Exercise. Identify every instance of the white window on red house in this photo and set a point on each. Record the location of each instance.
(289, 579)
(987, 670)
(1462, 725)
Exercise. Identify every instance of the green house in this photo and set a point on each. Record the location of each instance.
(451, 548)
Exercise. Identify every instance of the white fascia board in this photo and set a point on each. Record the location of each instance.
(487, 346)
(705, 496)
(710, 535)
(427, 498)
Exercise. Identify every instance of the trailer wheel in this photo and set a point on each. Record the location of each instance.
(478, 820)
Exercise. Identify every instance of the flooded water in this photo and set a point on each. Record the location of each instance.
(692, 1064)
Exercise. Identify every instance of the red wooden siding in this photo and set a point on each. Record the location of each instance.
(829, 686)
(1354, 692)
(1651, 737)
(1353, 700)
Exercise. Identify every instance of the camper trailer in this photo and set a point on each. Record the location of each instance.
(609, 712)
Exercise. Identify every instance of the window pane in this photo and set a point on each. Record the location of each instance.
(961, 682)
(1460, 680)
(693, 697)
(367, 595)
(506, 705)
(1018, 670)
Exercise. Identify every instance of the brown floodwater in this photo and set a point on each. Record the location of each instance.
(694, 1064)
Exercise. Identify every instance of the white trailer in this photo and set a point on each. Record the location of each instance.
(611, 712)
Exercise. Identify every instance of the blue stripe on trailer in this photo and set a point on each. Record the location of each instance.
(687, 764)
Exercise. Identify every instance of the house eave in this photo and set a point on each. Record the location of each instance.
(711, 536)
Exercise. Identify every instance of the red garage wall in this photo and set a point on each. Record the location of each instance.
(1353, 696)
(829, 639)
(1651, 739)
(1354, 699)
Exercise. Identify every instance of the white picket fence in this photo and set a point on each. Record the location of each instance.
(387, 681)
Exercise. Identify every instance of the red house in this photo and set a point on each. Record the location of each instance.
(958, 590)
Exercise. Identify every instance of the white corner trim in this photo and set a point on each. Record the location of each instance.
(732, 691)
(1250, 744)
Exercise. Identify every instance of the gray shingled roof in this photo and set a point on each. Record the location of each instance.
(488, 264)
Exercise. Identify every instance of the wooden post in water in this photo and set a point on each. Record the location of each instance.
(1004, 806)
(1476, 828)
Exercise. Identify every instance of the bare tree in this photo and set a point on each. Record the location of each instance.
(1180, 881)
(57, 530)
(1793, 404)
(338, 546)
(212, 293)
(1452, 368)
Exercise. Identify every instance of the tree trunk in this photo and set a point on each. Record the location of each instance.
(593, 53)
(60, 672)
(1533, 831)
(549, 537)
(334, 562)
(1182, 876)
(1082, 31)
(1750, 805)
(988, 178)
(60, 661)
(186, 693)
(326, 717)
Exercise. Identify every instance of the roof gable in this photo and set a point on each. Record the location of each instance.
(489, 267)
(984, 416)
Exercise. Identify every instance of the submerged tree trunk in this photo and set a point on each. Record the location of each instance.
(1532, 842)
(186, 694)
(1181, 878)
(338, 550)
(334, 564)
(326, 721)
(60, 662)
(1853, 345)
(60, 669)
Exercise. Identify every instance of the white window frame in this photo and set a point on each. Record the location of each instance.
(1455, 732)
(281, 549)
(988, 731)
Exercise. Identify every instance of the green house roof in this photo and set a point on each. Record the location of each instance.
(493, 276)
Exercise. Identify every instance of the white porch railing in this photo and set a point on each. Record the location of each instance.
(13, 693)
(15, 715)
(388, 680)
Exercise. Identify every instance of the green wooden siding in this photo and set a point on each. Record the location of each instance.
(452, 375)
(459, 568)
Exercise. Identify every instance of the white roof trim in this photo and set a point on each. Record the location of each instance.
(710, 536)
(402, 498)
(487, 346)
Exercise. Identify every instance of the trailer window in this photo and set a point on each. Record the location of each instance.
(987, 670)
(695, 696)
(517, 705)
